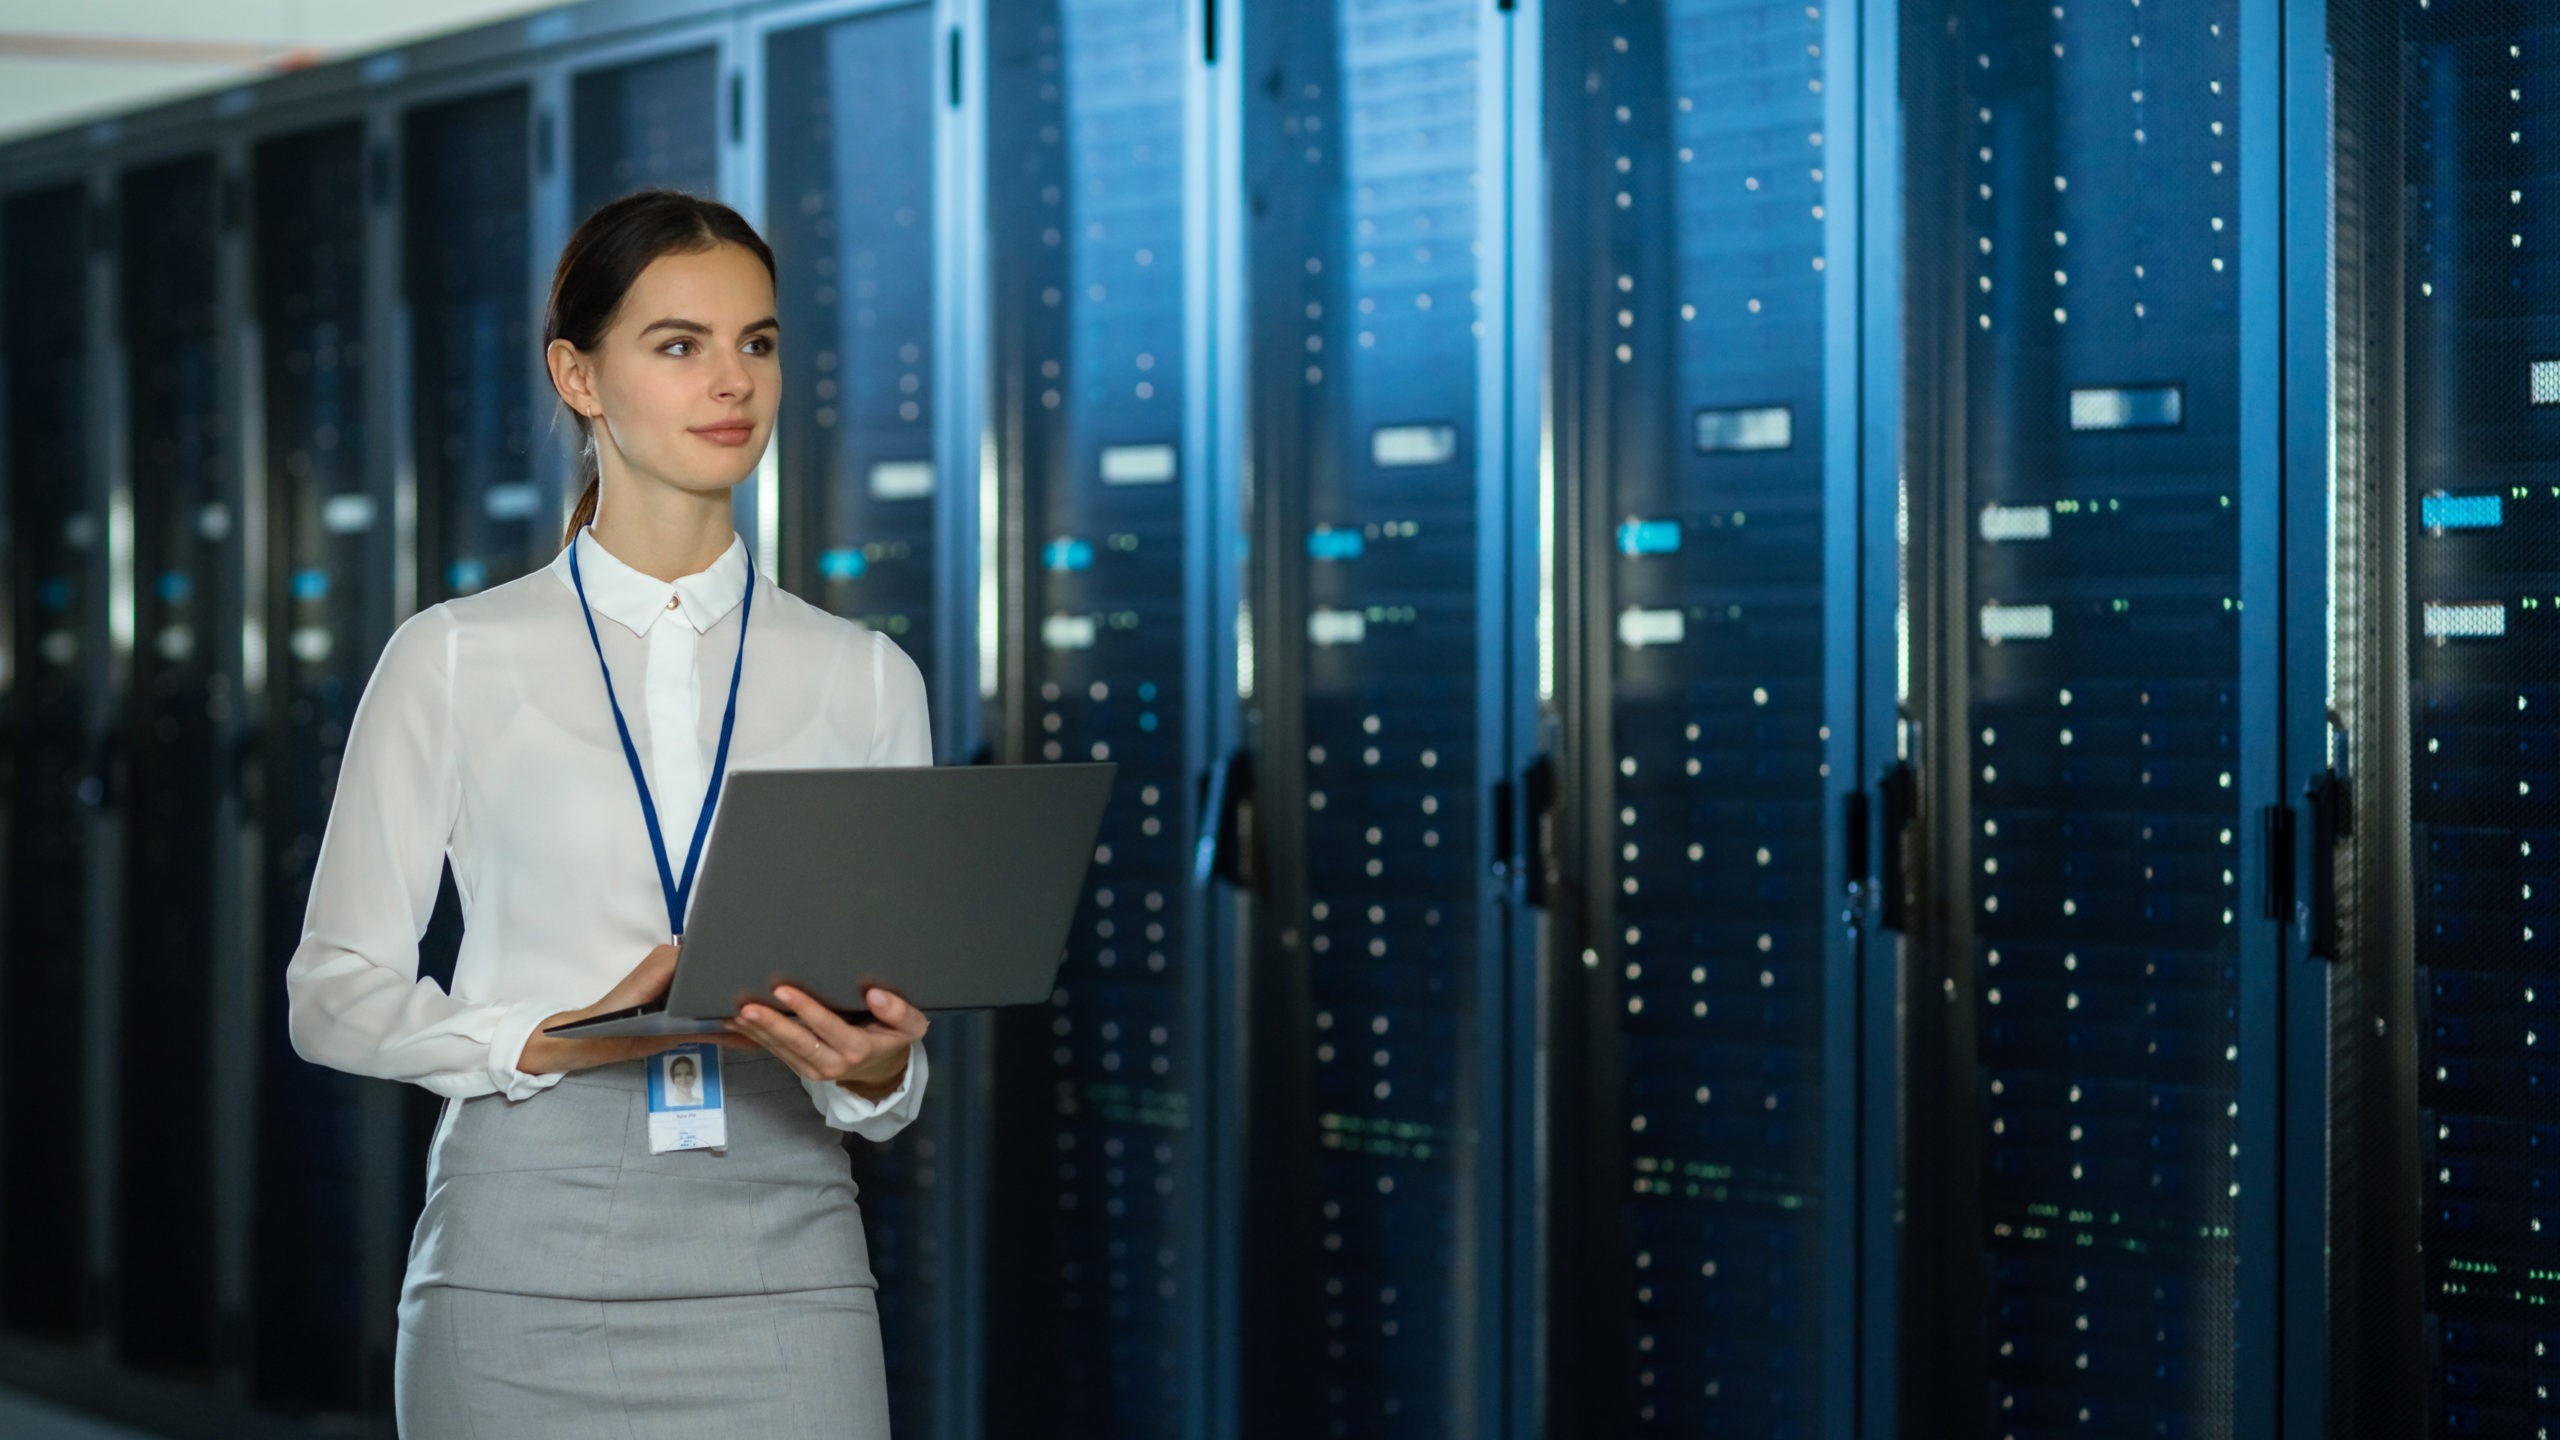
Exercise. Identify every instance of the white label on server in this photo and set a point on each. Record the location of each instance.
(1138, 464)
(2016, 522)
(1396, 446)
(1067, 632)
(1638, 628)
(2546, 382)
(901, 479)
(347, 514)
(2465, 619)
(1337, 627)
(2017, 622)
(312, 643)
(509, 502)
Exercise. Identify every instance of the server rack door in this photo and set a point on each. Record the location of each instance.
(2089, 764)
(851, 190)
(1687, 159)
(2480, 83)
(1098, 1149)
(652, 122)
(849, 138)
(483, 519)
(327, 602)
(1376, 259)
(177, 704)
(56, 622)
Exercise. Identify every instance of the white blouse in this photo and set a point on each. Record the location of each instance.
(484, 738)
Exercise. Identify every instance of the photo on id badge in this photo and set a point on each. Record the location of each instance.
(684, 1101)
(683, 1079)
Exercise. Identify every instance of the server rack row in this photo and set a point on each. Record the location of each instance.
(1784, 678)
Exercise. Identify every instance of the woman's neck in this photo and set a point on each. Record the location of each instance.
(663, 532)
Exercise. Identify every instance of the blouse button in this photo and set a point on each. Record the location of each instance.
(673, 601)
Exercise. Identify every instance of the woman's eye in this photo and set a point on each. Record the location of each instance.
(761, 345)
(676, 347)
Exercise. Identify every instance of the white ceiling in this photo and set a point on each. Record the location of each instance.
(63, 64)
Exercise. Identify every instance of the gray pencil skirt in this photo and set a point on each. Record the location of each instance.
(566, 1283)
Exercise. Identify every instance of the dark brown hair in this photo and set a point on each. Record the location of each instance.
(596, 269)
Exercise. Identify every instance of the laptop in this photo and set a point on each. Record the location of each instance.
(952, 886)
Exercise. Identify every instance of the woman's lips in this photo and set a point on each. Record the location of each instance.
(737, 433)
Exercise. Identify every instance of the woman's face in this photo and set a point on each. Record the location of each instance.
(686, 379)
(681, 1069)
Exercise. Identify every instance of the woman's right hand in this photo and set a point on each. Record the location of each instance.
(546, 1054)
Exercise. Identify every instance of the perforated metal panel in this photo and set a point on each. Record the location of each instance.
(2100, 689)
(178, 764)
(2480, 86)
(1087, 206)
(650, 123)
(1693, 310)
(57, 616)
(849, 134)
(1370, 265)
(326, 600)
(483, 519)
(851, 179)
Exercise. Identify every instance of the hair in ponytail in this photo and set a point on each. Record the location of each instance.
(597, 268)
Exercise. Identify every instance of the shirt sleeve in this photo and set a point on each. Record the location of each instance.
(876, 1120)
(901, 730)
(353, 996)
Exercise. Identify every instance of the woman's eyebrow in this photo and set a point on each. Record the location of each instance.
(696, 327)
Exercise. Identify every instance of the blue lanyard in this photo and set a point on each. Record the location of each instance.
(679, 892)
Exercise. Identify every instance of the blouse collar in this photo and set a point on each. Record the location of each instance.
(636, 601)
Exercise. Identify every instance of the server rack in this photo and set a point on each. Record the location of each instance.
(2481, 410)
(2100, 678)
(1113, 1119)
(175, 737)
(57, 626)
(854, 111)
(645, 122)
(1387, 261)
(324, 1248)
(1710, 683)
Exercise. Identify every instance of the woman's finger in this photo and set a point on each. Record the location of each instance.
(890, 1008)
(791, 1040)
(837, 1033)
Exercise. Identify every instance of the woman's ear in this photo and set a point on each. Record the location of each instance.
(574, 377)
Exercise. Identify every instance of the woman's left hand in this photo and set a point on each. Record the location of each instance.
(868, 1059)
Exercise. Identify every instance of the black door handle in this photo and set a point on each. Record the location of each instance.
(1899, 792)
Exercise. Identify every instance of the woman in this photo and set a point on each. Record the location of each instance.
(558, 738)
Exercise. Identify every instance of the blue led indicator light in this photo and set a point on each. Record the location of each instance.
(842, 563)
(2462, 512)
(175, 587)
(1649, 537)
(1067, 555)
(310, 584)
(1335, 544)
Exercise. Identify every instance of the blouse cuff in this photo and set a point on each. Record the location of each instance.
(873, 1119)
(516, 1025)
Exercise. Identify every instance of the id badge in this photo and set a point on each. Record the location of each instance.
(685, 1110)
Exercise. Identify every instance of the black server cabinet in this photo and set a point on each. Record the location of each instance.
(1099, 1119)
(56, 625)
(177, 759)
(2088, 770)
(327, 594)
(1376, 266)
(475, 344)
(849, 139)
(1703, 1251)
(2479, 94)
(646, 124)
(851, 185)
